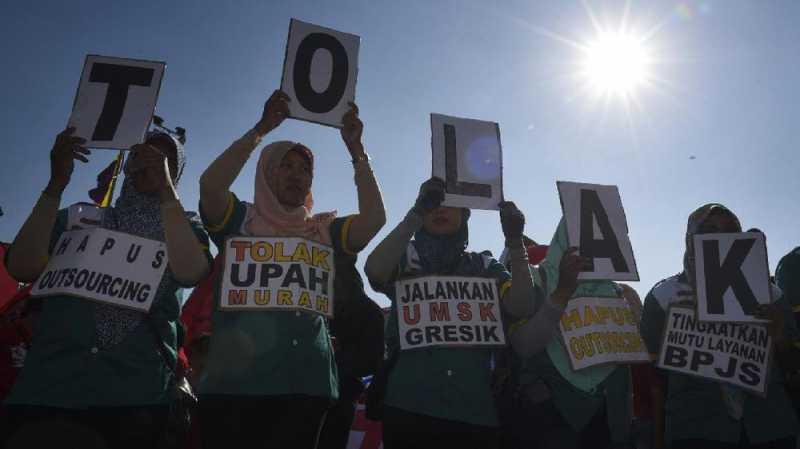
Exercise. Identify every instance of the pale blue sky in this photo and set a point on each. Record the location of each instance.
(728, 96)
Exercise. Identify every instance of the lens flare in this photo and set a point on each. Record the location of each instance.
(616, 63)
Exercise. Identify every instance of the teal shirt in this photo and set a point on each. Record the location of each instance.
(578, 395)
(269, 353)
(65, 368)
(695, 407)
(446, 383)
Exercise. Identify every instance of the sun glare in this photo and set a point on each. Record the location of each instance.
(615, 64)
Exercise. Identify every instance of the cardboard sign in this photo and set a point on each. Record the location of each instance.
(277, 273)
(107, 266)
(734, 353)
(115, 101)
(319, 72)
(448, 311)
(732, 275)
(467, 154)
(596, 224)
(601, 331)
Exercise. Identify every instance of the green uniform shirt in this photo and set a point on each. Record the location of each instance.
(601, 386)
(695, 407)
(447, 383)
(269, 353)
(65, 368)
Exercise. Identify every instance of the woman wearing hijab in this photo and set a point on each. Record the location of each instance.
(699, 412)
(441, 397)
(270, 376)
(94, 365)
(556, 406)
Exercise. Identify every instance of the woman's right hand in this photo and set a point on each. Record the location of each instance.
(276, 109)
(65, 150)
(431, 195)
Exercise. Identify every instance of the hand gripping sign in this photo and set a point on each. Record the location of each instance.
(467, 154)
(596, 224)
(600, 331)
(277, 273)
(448, 311)
(115, 101)
(734, 353)
(319, 73)
(732, 275)
(106, 266)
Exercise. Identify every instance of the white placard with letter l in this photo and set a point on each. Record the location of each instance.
(468, 156)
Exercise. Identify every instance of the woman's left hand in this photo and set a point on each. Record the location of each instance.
(512, 220)
(352, 129)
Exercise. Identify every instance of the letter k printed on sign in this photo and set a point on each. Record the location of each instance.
(732, 275)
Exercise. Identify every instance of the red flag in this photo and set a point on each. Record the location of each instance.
(196, 312)
(8, 285)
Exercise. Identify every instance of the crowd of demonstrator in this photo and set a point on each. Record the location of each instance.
(93, 375)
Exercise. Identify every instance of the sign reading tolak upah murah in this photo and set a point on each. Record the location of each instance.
(732, 275)
(319, 73)
(734, 353)
(107, 266)
(596, 224)
(115, 101)
(468, 156)
(448, 311)
(277, 273)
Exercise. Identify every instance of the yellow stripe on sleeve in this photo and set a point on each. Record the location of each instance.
(504, 288)
(516, 325)
(346, 235)
(226, 218)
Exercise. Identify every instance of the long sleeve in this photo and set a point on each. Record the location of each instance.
(27, 256)
(371, 213)
(520, 300)
(382, 263)
(216, 181)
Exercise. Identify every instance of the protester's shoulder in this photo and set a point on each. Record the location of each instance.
(233, 218)
(667, 290)
(789, 262)
(339, 230)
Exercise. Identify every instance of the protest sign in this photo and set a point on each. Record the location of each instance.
(468, 156)
(277, 273)
(106, 266)
(448, 311)
(319, 72)
(599, 331)
(596, 224)
(115, 101)
(732, 275)
(734, 353)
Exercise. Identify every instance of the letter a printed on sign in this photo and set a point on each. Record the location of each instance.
(319, 73)
(596, 224)
(732, 275)
(467, 154)
(115, 101)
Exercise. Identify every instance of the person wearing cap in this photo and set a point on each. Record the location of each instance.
(694, 412)
(96, 365)
(270, 376)
(442, 396)
(552, 405)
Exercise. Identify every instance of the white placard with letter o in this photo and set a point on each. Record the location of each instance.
(319, 72)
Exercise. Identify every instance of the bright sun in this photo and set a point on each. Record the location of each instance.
(615, 64)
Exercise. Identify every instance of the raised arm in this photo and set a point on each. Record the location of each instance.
(187, 255)
(534, 334)
(382, 262)
(520, 300)
(216, 181)
(27, 256)
(371, 213)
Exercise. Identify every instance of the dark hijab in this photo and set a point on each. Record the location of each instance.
(442, 253)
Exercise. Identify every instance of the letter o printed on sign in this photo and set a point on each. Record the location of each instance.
(319, 72)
